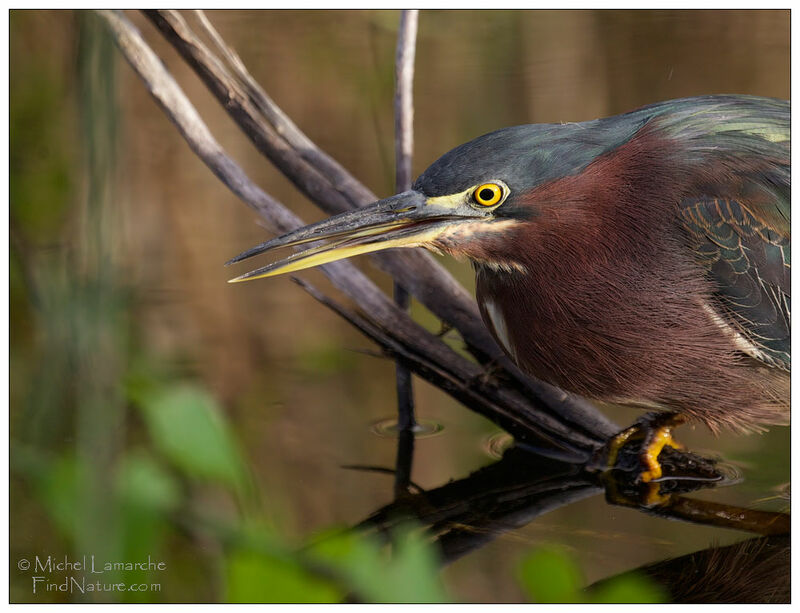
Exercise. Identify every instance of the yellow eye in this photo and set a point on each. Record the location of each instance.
(488, 194)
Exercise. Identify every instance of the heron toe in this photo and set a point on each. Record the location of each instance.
(655, 431)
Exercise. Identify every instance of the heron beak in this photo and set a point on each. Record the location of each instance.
(404, 220)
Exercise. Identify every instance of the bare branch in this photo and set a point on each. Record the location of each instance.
(325, 182)
(404, 101)
(283, 126)
(182, 113)
(404, 145)
(334, 190)
(425, 353)
(462, 380)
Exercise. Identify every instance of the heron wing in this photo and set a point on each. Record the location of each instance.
(746, 250)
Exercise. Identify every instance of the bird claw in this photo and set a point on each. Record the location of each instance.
(655, 430)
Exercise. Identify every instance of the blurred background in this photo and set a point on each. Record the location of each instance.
(145, 389)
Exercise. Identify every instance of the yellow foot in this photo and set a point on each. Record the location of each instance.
(655, 441)
(655, 430)
(618, 442)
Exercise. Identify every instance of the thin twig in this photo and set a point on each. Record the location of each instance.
(477, 393)
(319, 177)
(426, 354)
(404, 100)
(284, 126)
(334, 190)
(182, 113)
(404, 145)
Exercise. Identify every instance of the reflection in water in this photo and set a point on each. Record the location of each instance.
(497, 444)
(463, 516)
(423, 428)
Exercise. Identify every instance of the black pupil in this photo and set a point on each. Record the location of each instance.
(486, 194)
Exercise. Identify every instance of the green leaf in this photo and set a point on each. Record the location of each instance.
(144, 483)
(407, 574)
(548, 575)
(414, 570)
(147, 492)
(253, 577)
(188, 427)
(630, 588)
(58, 490)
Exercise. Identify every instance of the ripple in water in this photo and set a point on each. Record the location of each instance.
(387, 428)
(497, 444)
(731, 474)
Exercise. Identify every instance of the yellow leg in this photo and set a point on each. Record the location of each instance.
(656, 430)
(654, 443)
(616, 443)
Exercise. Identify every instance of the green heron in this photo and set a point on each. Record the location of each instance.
(641, 259)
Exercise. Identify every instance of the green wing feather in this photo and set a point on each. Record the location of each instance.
(750, 263)
(739, 225)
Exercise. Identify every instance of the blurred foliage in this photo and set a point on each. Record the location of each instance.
(550, 575)
(187, 429)
(187, 426)
(253, 577)
(40, 160)
(258, 564)
(337, 565)
(408, 575)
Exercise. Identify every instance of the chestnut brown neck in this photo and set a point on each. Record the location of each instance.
(612, 304)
